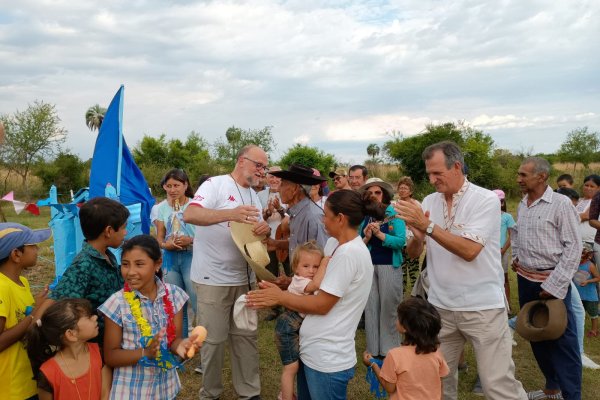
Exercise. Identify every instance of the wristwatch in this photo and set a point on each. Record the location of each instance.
(429, 229)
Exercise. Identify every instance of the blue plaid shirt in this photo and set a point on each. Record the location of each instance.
(136, 381)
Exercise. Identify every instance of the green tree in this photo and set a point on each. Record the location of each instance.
(67, 171)
(94, 117)
(151, 150)
(477, 147)
(507, 164)
(309, 157)
(407, 150)
(373, 150)
(155, 156)
(31, 135)
(580, 146)
(236, 138)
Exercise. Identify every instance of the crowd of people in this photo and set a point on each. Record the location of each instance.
(121, 328)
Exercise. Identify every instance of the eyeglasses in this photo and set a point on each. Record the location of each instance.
(257, 164)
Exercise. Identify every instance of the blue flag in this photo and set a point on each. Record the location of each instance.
(112, 163)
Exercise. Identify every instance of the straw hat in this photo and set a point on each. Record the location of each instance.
(541, 320)
(252, 248)
(377, 182)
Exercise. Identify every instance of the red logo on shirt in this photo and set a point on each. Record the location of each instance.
(198, 198)
(231, 198)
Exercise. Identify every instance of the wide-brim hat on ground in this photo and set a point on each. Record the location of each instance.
(541, 320)
(377, 182)
(338, 172)
(14, 235)
(299, 174)
(252, 248)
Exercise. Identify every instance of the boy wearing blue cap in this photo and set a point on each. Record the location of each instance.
(18, 309)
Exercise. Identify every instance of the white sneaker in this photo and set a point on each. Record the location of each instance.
(588, 363)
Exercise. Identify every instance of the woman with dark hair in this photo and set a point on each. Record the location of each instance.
(175, 236)
(410, 266)
(327, 348)
(385, 236)
(591, 185)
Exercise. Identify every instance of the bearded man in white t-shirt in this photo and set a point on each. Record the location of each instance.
(220, 272)
(461, 226)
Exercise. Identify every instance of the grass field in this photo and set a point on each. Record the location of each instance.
(526, 367)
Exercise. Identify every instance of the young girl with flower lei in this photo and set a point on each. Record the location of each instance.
(143, 326)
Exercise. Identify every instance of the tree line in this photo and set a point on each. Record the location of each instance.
(34, 140)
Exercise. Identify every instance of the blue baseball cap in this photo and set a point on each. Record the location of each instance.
(14, 235)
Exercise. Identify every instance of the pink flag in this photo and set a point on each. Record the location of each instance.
(20, 206)
(9, 197)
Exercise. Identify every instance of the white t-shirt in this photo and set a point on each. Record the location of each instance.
(587, 231)
(456, 284)
(275, 219)
(217, 261)
(154, 212)
(327, 341)
(297, 287)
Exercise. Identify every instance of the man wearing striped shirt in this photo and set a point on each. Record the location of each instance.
(546, 249)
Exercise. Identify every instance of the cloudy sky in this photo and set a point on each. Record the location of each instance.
(333, 74)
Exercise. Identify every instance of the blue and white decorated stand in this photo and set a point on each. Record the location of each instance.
(113, 174)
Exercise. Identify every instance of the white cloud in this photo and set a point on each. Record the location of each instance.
(375, 127)
(302, 139)
(339, 70)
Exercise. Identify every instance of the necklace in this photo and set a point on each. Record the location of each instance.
(161, 360)
(240, 193)
(449, 222)
(74, 380)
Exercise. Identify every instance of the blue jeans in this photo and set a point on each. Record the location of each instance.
(179, 274)
(560, 359)
(579, 313)
(316, 385)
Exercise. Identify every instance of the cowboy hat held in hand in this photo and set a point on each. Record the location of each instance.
(541, 320)
(252, 248)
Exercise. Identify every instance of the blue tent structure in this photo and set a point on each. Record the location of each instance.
(113, 174)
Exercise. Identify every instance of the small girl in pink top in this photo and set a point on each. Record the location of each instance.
(414, 370)
(309, 266)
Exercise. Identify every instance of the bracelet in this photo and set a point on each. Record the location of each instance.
(142, 353)
(372, 364)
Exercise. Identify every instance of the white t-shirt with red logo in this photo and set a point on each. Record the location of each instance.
(217, 261)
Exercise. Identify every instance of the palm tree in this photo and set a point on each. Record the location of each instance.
(373, 150)
(94, 116)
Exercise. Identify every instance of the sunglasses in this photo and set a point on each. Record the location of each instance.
(338, 177)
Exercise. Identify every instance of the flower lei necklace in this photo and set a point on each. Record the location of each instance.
(164, 359)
